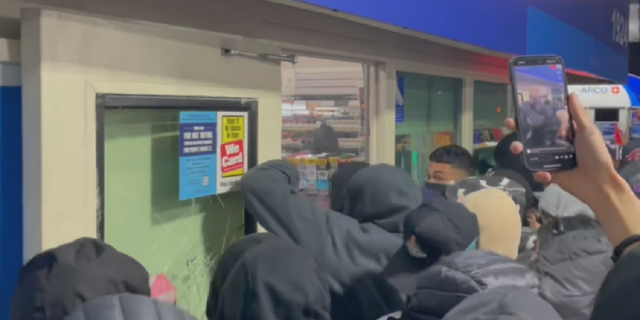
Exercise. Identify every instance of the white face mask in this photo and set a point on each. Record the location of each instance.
(414, 248)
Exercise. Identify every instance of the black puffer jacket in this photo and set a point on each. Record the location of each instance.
(572, 267)
(504, 303)
(456, 277)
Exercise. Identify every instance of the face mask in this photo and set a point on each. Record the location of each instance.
(439, 188)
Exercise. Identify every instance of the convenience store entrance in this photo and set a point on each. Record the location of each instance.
(324, 120)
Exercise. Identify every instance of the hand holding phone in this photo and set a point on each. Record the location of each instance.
(595, 166)
(540, 92)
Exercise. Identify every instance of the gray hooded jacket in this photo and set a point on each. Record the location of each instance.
(127, 307)
(503, 303)
(346, 246)
(559, 203)
(574, 256)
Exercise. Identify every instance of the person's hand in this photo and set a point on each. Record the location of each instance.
(532, 218)
(594, 162)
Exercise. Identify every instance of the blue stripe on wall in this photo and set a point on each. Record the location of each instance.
(10, 193)
(547, 35)
(492, 24)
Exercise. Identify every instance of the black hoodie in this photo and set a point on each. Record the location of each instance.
(339, 181)
(507, 160)
(274, 281)
(454, 278)
(55, 282)
(437, 228)
(348, 245)
(227, 262)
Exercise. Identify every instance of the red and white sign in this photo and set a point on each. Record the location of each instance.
(162, 289)
(232, 157)
(615, 90)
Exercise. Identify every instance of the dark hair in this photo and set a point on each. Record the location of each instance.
(455, 155)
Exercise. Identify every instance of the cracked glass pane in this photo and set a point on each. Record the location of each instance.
(181, 240)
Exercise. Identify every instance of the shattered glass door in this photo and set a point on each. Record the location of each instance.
(143, 217)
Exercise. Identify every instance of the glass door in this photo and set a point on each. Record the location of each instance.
(143, 216)
(428, 112)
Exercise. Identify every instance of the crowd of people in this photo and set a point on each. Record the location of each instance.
(511, 244)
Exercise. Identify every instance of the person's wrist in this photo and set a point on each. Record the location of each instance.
(616, 207)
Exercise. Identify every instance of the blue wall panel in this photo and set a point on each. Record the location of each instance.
(10, 193)
(547, 35)
(583, 31)
(493, 24)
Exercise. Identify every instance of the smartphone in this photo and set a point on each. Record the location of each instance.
(540, 95)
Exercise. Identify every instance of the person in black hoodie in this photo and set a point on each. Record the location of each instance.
(276, 280)
(505, 159)
(437, 228)
(347, 245)
(57, 281)
(227, 262)
(339, 181)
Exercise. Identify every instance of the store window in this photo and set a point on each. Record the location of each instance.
(491, 107)
(428, 110)
(144, 214)
(324, 120)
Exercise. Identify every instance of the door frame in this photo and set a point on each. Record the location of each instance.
(182, 103)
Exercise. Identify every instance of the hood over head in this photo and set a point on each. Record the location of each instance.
(127, 307)
(528, 200)
(503, 303)
(275, 274)
(455, 277)
(57, 281)
(382, 194)
(505, 159)
(463, 188)
(437, 228)
(228, 261)
(339, 181)
(498, 219)
(559, 203)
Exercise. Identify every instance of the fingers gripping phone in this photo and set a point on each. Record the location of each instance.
(544, 122)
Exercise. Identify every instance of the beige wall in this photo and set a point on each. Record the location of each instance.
(68, 58)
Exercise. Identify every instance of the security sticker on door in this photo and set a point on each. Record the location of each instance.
(233, 146)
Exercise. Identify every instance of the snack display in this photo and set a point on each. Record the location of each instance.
(315, 174)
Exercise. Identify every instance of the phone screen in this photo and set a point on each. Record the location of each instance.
(540, 90)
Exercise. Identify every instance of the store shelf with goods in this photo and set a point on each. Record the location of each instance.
(488, 137)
